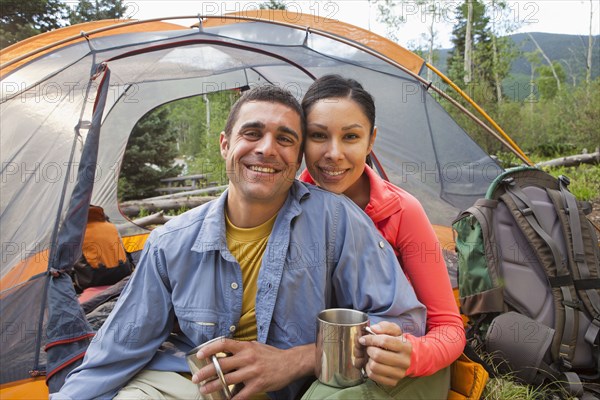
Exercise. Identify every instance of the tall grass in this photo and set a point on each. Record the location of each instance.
(505, 386)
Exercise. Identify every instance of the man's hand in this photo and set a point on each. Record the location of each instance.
(389, 353)
(260, 367)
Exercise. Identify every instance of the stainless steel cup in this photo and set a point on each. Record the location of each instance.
(340, 357)
(195, 364)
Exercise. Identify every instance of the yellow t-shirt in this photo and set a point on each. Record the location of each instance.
(248, 246)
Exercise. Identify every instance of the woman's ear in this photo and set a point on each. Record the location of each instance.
(372, 139)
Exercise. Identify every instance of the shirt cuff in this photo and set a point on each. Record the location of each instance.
(59, 396)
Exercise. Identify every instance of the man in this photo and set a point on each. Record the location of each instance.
(258, 265)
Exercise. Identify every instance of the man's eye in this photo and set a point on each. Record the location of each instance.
(287, 140)
(252, 134)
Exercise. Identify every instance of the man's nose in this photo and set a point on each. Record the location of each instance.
(266, 145)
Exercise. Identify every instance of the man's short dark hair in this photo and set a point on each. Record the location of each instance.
(266, 93)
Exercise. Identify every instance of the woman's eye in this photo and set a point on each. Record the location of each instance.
(316, 136)
(352, 136)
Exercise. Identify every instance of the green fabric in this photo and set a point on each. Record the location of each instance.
(431, 387)
(473, 274)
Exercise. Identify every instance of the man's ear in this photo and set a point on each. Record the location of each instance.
(224, 144)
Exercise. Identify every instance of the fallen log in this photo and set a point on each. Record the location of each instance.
(158, 218)
(133, 207)
(572, 161)
(211, 191)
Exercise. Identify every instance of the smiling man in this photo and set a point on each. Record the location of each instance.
(256, 265)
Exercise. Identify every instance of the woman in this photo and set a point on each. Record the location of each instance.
(340, 135)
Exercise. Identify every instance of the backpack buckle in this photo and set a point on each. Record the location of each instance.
(509, 181)
(564, 363)
(576, 304)
(564, 180)
(527, 212)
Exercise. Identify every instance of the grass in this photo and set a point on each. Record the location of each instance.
(505, 386)
(585, 180)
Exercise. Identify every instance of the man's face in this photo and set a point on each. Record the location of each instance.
(262, 152)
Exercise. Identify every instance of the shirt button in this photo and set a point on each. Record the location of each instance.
(232, 328)
(381, 244)
(234, 286)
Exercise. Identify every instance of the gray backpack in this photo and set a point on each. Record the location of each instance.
(528, 276)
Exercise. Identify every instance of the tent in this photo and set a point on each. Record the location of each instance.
(71, 97)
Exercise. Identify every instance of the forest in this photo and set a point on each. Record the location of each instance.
(542, 89)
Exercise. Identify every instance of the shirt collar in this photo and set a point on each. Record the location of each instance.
(212, 237)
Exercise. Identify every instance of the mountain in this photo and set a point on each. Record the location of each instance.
(570, 50)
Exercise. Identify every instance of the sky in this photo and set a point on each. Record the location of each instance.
(552, 16)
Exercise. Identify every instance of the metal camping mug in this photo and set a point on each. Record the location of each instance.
(195, 364)
(340, 358)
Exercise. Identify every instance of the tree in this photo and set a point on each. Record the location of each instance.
(503, 48)
(482, 82)
(431, 10)
(87, 10)
(468, 59)
(272, 5)
(548, 61)
(588, 74)
(148, 157)
(547, 82)
(386, 14)
(25, 18)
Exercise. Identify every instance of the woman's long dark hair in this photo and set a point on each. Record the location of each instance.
(337, 87)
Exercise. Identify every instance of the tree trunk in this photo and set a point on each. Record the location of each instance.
(571, 161)
(497, 80)
(588, 73)
(431, 43)
(547, 60)
(132, 208)
(153, 219)
(469, 43)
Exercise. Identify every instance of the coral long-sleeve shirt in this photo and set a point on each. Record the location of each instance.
(402, 221)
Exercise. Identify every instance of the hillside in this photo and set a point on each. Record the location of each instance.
(570, 50)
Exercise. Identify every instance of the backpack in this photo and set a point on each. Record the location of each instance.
(528, 277)
(104, 260)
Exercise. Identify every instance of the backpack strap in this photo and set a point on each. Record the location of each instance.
(585, 283)
(588, 284)
(562, 279)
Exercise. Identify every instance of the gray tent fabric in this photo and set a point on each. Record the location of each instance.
(23, 313)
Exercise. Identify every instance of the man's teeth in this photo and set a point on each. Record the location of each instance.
(262, 169)
(333, 173)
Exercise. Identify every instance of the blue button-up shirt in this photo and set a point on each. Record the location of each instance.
(323, 252)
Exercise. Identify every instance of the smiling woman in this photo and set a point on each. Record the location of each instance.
(341, 130)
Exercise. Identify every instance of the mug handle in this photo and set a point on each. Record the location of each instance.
(221, 376)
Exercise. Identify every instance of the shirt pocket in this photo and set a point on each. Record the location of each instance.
(198, 325)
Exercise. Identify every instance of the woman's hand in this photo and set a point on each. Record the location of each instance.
(389, 353)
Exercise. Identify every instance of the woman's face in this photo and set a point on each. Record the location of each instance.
(337, 144)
